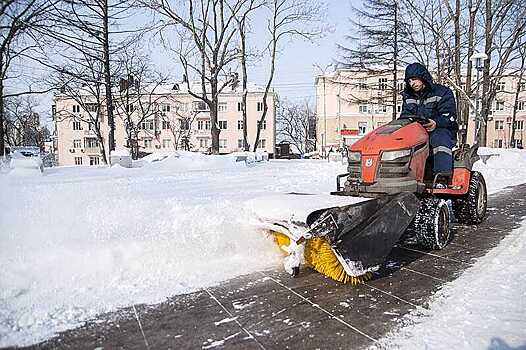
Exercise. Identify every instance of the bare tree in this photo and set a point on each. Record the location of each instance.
(382, 36)
(207, 31)
(138, 103)
(84, 83)
(505, 26)
(294, 122)
(521, 86)
(243, 23)
(19, 20)
(88, 32)
(288, 19)
(22, 123)
(180, 122)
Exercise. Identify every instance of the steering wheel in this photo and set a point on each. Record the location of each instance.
(418, 119)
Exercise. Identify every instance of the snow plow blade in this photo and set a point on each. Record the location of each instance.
(363, 234)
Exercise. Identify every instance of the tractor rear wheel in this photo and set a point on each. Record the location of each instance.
(431, 227)
(471, 208)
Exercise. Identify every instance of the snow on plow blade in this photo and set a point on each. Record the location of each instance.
(363, 234)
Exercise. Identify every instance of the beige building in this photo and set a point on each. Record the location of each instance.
(351, 103)
(172, 120)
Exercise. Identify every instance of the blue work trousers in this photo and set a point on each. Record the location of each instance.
(441, 141)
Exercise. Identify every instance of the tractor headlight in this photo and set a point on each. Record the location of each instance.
(398, 156)
(355, 157)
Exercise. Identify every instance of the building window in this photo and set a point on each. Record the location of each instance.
(167, 143)
(203, 143)
(200, 124)
(165, 107)
(363, 108)
(501, 86)
(91, 143)
(222, 124)
(78, 160)
(92, 107)
(260, 106)
(362, 84)
(240, 106)
(263, 125)
(520, 106)
(518, 125)
(499, 124)
(77, 125)
(222, 143)
(94, 160)
(382, 108)
(400, 85)
(201, 106)
(382, 84)
(207, 124)
(240, 144)
(522, 86)
(77, 143)
(76, 108)
(166, 125)
(362, 128)
(147, 143)
(398, 108)
(497, 143)
(130, 108)
(146, 124)
(239, 125)
(221, 107)
(262, 143)
(499, 106)
(185, 124)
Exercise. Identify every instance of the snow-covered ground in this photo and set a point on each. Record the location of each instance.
(79, 241)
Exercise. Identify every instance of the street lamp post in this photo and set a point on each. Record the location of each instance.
(478, 59)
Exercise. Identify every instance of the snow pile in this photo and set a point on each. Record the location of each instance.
(507, 167)
(25, 166)
(86, 240)
(482, 309)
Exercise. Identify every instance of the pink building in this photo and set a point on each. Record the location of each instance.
(168, 118)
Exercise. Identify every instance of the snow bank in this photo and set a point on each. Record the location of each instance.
(84, 240)
(482, 309)
(506, 168)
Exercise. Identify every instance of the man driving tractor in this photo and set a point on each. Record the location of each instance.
(424, 99)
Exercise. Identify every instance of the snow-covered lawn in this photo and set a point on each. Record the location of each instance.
(80, 241)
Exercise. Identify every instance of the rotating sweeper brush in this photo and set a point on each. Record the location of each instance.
(388, 166)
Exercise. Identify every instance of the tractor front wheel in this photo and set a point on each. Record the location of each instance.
(431, 227)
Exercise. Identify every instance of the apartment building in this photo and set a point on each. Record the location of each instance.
(353, 102)
(174, 120)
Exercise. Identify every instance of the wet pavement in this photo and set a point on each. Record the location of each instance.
(270, 310)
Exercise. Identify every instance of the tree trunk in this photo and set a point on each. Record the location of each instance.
(107, 79)
(395, 61)
(486, 101)
(2, 117)
(213, 117)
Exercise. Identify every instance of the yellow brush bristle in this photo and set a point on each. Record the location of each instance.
(281, 240)
(319, 255)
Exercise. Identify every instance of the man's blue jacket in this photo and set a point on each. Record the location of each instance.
(435, 102)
